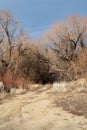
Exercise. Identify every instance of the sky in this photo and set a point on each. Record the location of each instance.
(38, 16)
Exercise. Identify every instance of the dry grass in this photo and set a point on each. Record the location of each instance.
(74, 99)
(75, 103)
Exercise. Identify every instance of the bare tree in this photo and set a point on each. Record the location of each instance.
(67, 35)
(9, 30)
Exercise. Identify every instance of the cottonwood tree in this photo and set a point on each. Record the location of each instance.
(67, 35)
(13, 39)
(64, 40)
(9, 30)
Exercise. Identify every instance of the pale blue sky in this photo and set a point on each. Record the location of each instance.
(37, 16)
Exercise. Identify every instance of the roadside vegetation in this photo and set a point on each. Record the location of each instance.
(60, 55)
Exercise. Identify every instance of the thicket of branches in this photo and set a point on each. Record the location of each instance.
(59, 55)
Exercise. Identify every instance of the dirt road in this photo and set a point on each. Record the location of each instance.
(36, 111)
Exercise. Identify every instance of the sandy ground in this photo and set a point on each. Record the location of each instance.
(36, 111)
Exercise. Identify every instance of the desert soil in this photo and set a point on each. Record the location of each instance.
(36, 111)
